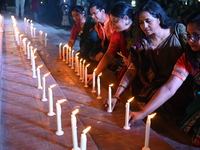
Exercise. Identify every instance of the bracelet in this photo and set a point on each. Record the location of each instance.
(122, 86)
(117, 97)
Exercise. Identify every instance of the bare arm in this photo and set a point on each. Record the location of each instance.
(71, 43)
(160, 97)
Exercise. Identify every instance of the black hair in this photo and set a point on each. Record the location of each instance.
(121, 9)
(157, 12)
(79, 9)
(193, 56)
(99, 4)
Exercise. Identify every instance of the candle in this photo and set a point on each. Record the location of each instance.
(74, 129)
(70, 56)
(72, 59)
(50, 93)
(98, 87)
(34, 29)
(93, 81)
(76, 62)
(63, 53)
(58, 116)
(86, 85)
(44, 87)
(147, 133)
(33, 67)
(84, 138)
(59, 53)
(80, 69)
(24, 45)
(31, 54)
(83, 70)
(28, 50)
(110, 98)
(31, 28)
(41, 32)
(126, 127)
(20, 40)
(45, 40)
(67, 54)
(39, 78)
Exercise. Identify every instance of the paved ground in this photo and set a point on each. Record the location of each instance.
(24, 121)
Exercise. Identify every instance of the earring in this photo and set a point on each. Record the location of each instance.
(127, 22)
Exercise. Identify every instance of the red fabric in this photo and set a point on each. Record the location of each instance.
(104, 32)
(75, 31)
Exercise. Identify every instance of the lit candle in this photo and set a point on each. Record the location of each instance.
(28, 50)
(76, 62)
(34, 29)
(41, 39)
(84, 138)
(45, 40)
(126, 127)
(20, 37)
(63, 53)
(33, 67)
(50, 93)
(83, 70)
(31, 54)
(59, 53)
(72, 58)
(147, 133)
(99, 87)
(31, 28)
(74, 129)
(24, 45)
(58, 116)
(86, 85)
(93, 81)
(110, 98)
(80, 69)
(44, 87)
(67, 54)
(39, 78)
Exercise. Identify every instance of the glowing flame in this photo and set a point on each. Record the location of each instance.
(77, 53)
(87, 65)
(46, 74)
(95, 69)
(86, 130)
(52, 86)
(40, 66)
(100, 74)
(61, 101)
(84, 61)
(111, 85)
(130, 99)
(152, 115)
(75, 111)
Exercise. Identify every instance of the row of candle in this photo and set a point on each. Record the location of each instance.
(59, 131)
(81, 71)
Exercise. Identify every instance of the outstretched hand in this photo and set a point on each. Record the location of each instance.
(113, 103)
(134, 116)
(90, 78)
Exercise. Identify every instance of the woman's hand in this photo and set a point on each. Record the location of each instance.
(90, 78)
(134, 116)
(114, 101)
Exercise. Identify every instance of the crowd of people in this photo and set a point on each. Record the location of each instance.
(158, 60)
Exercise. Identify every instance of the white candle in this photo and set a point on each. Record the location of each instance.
(93, 81)
(99, 87)
(74, 129)
(80, 69)
(63, 52)
(21, 43)
(31, 54)
(41, 37)
(39, 77)
(126, 127)
(67, 54)
(77, 64)
(24, 45)
(72, 58)
(33, 67)
(50, 93)
(34, 29)
(83, 71)
(86, 85)
(84, 138)
(45, 40)
(44, 87)
(59, 122)
(31, 29)
(147, 133)
(110, 98)
(28, 50)
(59, 53)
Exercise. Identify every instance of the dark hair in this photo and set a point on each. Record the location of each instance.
(192, 56)
(99, 4)
(157, 12)
(121, 9)
(79, 9)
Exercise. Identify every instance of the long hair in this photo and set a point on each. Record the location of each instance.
(79, 9)
(193, 56)
(121, 9)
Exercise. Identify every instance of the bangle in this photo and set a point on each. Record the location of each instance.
(117, 97)
(122, 86)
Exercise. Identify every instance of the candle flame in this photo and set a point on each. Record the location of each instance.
(152, 115)
(111, 84)
(75, 111)
(95, 69)
(72, 51)
(35, 49)
(87, 65)
(86, 130)
(84, 61)
(29, 43)
(61, 101)
(77, 53)
(100, 74)
(66, 45)
(24, 39)
(52, 86)
(47, 74)
(130, 99)
(35, 57)
(40, 66)
(60, 44)
(81, 59)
